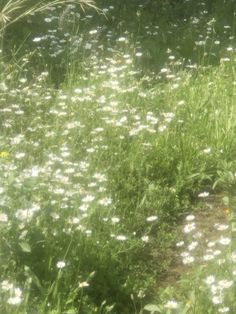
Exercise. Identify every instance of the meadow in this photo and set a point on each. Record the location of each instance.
(117, 158)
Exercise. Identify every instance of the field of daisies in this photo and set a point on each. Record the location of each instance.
(117, 157)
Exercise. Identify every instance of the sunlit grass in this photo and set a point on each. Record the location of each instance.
(98, 172)
(13, 11)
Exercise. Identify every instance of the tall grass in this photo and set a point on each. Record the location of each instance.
(13, 11)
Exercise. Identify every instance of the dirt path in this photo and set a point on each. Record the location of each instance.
(212, 212)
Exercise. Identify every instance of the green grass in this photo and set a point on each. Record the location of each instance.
(98, 172)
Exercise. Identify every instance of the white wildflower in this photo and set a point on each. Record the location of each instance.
(151, 218)
(105, 201)
(208, 257)
(88, 198)
(192, 245)
(224, 241)
(19, 155)
(3, 217)
(6, 285)
(61, 264)
(171, 305)
(55, 216)
(184, 254)
(189, 227)
(203, 194)
(221, 227)
(217, 252)
(83, 284)
(197, 235)
(207, 150)
(190, 217)
(233, 257)
(210, 280)
(92, 32)
(84, 207)
(211, 244)
(179, 244)
(14, 300)
(121, 39)
(121, 238)
(188, 260)
(37, 39)
(225, 284)
(88, 46)
(217, 299)
(115, 220)
(145, 238)
(224, 310)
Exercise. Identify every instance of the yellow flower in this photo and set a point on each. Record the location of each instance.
(4, 154)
